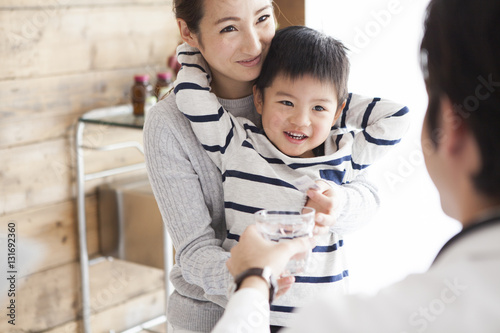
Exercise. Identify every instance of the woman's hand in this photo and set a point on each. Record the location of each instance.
(324, 202)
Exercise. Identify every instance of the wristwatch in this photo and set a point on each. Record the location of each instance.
(264, 273)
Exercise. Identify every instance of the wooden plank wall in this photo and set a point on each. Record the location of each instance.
(59, 59)
(290, 12)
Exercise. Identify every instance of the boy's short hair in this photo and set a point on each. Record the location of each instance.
(297, 50)
(460, 55)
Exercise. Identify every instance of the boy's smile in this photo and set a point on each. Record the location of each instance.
(296, 137)
(297, 114)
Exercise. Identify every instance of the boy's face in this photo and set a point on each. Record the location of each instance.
(297, 115)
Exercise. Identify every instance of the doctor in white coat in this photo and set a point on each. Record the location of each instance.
(460, 292)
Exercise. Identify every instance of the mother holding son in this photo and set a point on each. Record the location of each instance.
(234, 38)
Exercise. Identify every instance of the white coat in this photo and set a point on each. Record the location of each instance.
(459, 293)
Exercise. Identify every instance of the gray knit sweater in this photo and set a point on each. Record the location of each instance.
(188, 189)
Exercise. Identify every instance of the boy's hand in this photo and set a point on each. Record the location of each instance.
(323, 201)
(192, 61)
(284, 284)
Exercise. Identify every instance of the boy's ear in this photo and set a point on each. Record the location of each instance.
(339, 112)
(186, 34)
(258, 100)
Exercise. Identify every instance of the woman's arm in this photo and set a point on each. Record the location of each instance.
(187, 188)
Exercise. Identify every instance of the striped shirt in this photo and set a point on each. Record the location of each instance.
(256, 175)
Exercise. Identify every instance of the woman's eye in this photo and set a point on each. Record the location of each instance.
(287, 103)
(228, 29)
(263, 18)
(318, 108)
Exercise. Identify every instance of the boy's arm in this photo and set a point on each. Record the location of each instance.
(378, 125)
(358, 203)
(344, 208)
(214, 127)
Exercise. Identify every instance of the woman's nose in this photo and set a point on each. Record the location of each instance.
(251, 43)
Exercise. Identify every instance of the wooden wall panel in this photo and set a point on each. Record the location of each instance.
(56, 4)
(38, 109)
(80, 39)
(29, 175)
(290, 12)
(59, 59)
(123, 316)
(78, 55)
(44, 173)
(50, 298)
(47, 235)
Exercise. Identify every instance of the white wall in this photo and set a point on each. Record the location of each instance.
(384, 38)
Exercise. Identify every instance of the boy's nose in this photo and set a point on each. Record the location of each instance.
(300, 119)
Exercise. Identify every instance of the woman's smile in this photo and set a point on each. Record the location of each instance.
(251, 62)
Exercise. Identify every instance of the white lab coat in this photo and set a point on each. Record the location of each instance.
(459, 293)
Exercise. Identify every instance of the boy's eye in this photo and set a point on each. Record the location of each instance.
(287, 103)
(263, 18)
(318, 108)
(228, 29)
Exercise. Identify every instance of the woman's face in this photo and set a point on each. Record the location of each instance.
(234, 38)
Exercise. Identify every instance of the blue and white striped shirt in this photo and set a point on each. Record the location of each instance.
(256, 175)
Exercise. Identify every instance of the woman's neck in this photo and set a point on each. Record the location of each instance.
(230, 89)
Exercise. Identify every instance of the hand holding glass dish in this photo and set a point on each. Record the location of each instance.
(280, 225)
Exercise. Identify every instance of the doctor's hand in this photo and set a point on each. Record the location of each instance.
(253, 250)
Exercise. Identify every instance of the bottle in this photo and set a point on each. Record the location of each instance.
(142, 95)
(163, 84)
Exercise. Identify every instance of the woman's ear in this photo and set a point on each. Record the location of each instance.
(186, 34)
(258, 100)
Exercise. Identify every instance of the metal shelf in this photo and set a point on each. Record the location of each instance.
(118, 116)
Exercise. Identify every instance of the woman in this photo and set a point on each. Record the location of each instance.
(234, 38)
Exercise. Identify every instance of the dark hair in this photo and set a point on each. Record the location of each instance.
(190, 11)
(460, 55)
(297, 50)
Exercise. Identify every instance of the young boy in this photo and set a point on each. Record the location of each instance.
(300, 95)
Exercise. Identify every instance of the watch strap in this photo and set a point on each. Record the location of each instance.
(264, 273)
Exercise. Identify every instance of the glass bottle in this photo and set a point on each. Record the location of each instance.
(163, 84)
(142, 95)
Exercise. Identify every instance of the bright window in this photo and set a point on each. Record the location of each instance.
(410, 228)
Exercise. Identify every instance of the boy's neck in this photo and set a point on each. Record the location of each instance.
(319, 150)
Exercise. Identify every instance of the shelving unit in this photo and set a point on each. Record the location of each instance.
(118, 116)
